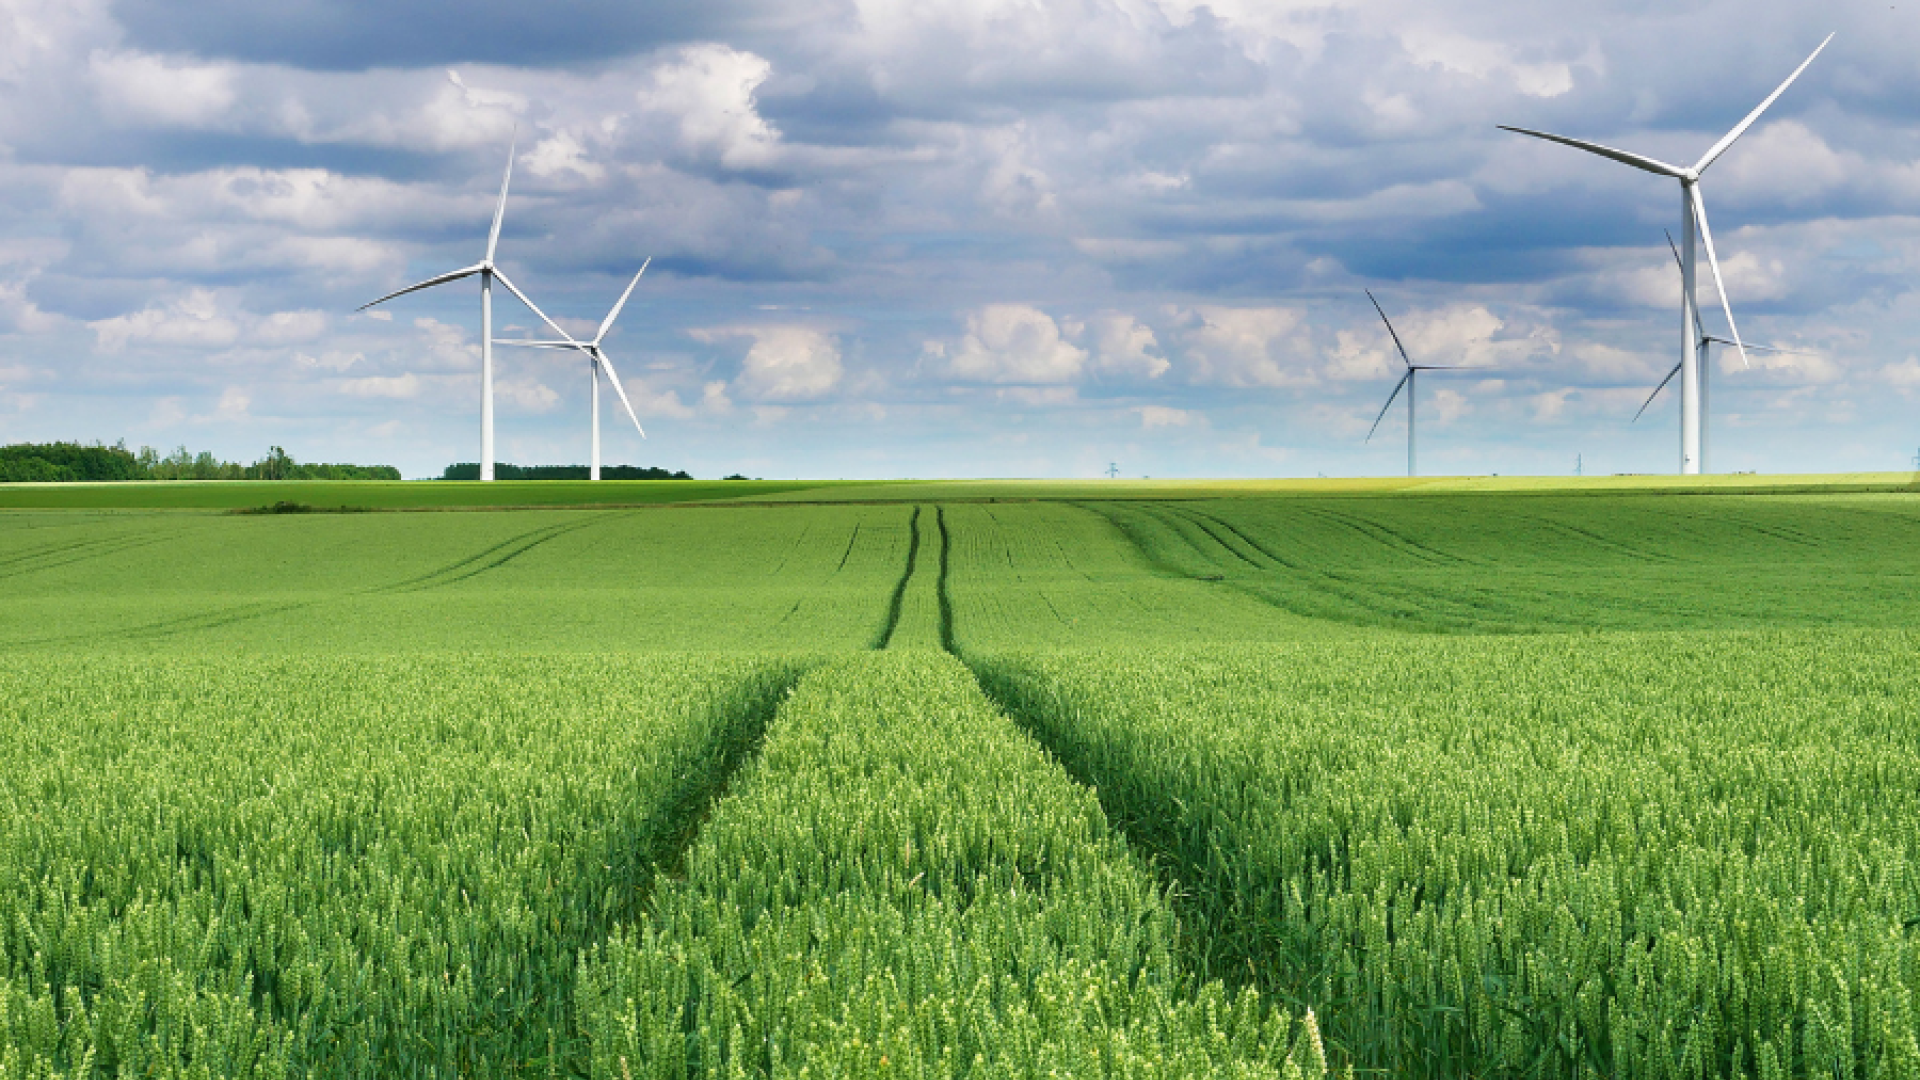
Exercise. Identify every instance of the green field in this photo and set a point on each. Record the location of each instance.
(1453, 778)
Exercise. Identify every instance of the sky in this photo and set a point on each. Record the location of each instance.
(958, 237)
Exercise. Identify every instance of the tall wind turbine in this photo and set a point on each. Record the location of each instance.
(1692, 209)
(487, 272)
(597, 362)
(1406, 380)
(1704, 343)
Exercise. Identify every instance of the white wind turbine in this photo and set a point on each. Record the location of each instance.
(1704, 342)
(597, 362)
(487, 272)
(1692, 209)
(1406, 380)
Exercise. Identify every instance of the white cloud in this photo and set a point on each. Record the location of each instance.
(1549, 406)
(1012, 343)
(560, 154)
(1905, 374)
(528, 395)
(382, 386)
(144, 88)
(1161, 416)
(1251, 346)
(1449, 405)
(192, 320)
(708, 93)
(235, 405)
(1125, 347)
(784, 363)
(20, 315)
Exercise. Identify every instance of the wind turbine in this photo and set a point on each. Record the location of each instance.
(487, 272)
(1406, 380)
(1692, 209)
(1703, 342)
(596, 362)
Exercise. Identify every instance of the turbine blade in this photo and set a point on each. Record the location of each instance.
(1713, 263)
(1741, 128)
(1759, 348)
(1388, 405)
(1404, 358)
(607, 366)
(442, 279)
(1624, 157)
(525, 344)
(1699, 327)
(1655, 394)
(535, 308)
(500, 208)
(607, 324)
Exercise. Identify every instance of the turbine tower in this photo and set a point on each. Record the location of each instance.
(597, 362)
(488, 272)
(1406, 380)
(1704, 343)
(1693, 209)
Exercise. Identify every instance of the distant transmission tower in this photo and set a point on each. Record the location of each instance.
(1113, 470)
(1579, 466)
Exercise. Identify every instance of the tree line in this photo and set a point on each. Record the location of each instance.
(59, 462)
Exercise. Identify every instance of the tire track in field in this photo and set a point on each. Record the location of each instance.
(50, 557)
(899, 597)
(1401, 607)
(161, 629)
(845, 555)
(798, 541)
(1177, 513)
(492, 558)
(1386, 537)
(1603, 543)
(945, 601)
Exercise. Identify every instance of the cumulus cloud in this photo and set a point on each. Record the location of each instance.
(707, 92)
(1012, 343)
(19, 314)
(1124, 347)
(1247, 347)
(783, 364)
(193, 319)
(202, 318)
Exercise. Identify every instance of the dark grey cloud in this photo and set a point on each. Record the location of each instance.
(355, 35)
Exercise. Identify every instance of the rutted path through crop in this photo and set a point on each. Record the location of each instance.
(905, 884)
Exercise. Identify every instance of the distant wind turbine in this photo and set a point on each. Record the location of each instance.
(597, 362)
(1406, 380)
(1703, 342)
(487, 272)
(1692, 209)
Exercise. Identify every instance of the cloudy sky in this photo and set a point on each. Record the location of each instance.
(956, 237)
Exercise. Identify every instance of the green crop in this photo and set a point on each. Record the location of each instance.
(1639, 855)
(903, 885)
(1498, 778)
(336, 868)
